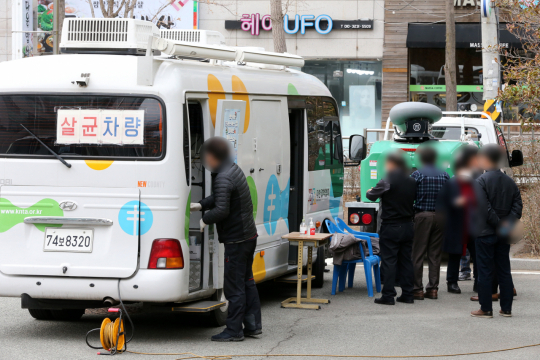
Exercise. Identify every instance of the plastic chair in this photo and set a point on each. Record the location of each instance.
(348, 267)
(372, 263)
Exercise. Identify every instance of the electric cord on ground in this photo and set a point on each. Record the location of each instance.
(111, 333)
(188, 355)
(112, 336)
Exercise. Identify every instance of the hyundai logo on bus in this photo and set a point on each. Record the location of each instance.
(68, 205)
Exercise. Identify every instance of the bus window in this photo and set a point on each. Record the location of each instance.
(323, 128)
(38, 113)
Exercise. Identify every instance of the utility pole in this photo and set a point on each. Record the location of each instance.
(490, 52)
(450, 58)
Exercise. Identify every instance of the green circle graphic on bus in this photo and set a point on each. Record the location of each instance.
(135, 218)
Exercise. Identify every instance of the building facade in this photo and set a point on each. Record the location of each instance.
(348, 59)
(414, 52)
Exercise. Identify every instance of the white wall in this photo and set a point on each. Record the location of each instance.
(353, 44)
(5, 30)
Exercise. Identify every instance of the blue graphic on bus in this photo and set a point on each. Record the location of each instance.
(276, 204)
(134, 220)
(334, 203)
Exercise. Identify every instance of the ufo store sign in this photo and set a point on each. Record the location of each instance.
(323, 24)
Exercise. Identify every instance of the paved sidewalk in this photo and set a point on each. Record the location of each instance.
(351, 324)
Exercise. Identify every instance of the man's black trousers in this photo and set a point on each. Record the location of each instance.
(491, 251)
(240, 289)
(396, 247)
(452, 273)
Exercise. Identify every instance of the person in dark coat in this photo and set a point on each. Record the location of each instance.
(503, 208)
(457, 208)
(231, 209)
(397, 191)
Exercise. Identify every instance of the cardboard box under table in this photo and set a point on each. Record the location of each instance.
(300, 240)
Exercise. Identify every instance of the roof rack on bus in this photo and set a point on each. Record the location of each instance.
(138, 37)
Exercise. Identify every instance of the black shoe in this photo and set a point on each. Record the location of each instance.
(252, 333)
(401, 299)
(454, 288)
(382, 301)
(225, 337)
(505, 313)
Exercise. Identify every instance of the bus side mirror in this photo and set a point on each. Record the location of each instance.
(357, 148)
(516, 159)
(338, 149)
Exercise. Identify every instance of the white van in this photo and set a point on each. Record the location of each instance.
(476, 126)
(99, 161)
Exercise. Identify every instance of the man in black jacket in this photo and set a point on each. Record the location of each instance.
(397, 191)
(231, 209)
(503, 207)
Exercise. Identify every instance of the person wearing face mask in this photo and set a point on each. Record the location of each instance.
(457, 205)
(502, 211)
(230, 207)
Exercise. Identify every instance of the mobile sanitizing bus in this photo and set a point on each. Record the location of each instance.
(99, 162)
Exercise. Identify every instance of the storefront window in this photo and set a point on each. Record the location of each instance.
(427, 76)
(357, 88)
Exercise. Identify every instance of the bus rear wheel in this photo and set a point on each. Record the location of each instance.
(41, 314)
(67, 314)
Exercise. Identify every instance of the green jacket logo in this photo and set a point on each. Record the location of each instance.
(11, 215)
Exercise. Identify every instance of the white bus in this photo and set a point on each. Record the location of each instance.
(99, 161)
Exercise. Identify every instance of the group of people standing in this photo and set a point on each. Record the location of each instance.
(428, 213)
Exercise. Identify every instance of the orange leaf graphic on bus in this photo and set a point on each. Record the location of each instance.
(215, 93)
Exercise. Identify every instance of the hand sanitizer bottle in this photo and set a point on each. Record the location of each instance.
(303, 227)
(311, 227)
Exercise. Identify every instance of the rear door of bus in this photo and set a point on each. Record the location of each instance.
(83, 220)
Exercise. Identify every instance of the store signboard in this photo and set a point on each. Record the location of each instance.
(45, 18)
(442, 88)
(166, 14)
(27, 25)
(323, 24)
(460, 3)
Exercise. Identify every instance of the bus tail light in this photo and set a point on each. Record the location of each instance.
(354, 218)
(367, 219)
(166, 254)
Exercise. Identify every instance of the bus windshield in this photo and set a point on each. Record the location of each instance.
(39, 114)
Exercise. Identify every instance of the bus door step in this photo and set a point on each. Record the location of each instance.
(293, 279)
(199, 306)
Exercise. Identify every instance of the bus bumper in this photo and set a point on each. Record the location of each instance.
(146, 285)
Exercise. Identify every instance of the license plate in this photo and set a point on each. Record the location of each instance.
(69, 240)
